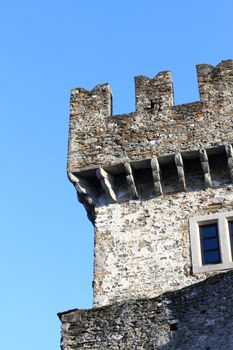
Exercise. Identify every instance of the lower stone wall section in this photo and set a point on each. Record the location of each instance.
(198, 317)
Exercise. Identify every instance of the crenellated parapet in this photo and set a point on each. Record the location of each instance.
(112, 157)
(157, 127)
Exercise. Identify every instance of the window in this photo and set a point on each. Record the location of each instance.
(212, 242)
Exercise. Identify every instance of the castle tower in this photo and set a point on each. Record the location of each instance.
(157, 185)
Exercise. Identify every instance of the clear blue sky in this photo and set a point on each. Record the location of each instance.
(47, 48)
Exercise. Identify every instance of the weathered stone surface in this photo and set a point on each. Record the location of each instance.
(121, 165)
(198, 317)
(142, 177)
(142, 248)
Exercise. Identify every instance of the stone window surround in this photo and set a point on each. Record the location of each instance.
(222, 220)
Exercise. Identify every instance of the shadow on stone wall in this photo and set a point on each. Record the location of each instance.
(196, 317)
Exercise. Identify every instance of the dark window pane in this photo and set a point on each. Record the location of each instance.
(231, 228)
(211, 257)
(208, 231)
(210, 244)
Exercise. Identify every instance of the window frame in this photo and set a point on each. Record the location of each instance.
(226, 255)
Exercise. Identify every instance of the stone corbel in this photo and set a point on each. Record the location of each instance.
(205, 167)
(229, 152)
(156, 176)
(130, 181)
(107, 183)
(180, 170)
(86, 193)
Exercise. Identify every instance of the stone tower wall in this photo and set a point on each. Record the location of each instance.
(149, 180)
(142, 176)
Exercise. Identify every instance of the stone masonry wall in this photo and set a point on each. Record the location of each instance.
(198, 317)
(96, 138)
(141, 177)
(142, 248)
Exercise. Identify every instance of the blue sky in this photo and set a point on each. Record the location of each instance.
(47, 48)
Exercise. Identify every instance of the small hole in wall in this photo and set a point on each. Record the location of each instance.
(152, 104)
(173, 327)
(203, 311)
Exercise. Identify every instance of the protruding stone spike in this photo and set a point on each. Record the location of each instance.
(180, 170)
(107, 183)
(205, 167)
(130, 181)
(156, 176)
